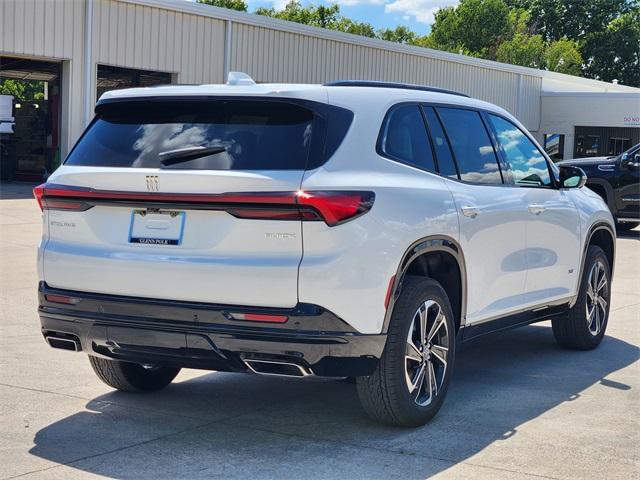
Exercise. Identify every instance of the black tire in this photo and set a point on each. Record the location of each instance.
(577, 329)
(626, 226)
(385, 395)
(132, 377)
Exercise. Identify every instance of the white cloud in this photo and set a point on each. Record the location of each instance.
(422, 10)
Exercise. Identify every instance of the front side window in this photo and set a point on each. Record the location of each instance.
(528, 166)
(474, 154)
(404, 138)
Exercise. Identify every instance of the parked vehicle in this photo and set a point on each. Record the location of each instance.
(353, 229)
(617, 180)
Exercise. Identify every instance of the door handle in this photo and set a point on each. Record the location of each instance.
(471, 212)
(536, 209)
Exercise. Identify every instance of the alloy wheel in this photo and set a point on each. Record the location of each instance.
(597, 298)
(426, 353)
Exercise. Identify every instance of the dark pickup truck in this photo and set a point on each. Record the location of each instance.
(617, 180)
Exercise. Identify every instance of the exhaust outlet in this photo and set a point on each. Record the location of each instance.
(63, 343)
(277, 368)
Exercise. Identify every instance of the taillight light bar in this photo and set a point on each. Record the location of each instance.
(332, 207)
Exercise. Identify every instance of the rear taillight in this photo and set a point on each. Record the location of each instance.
(336, 207)
(332, 207)
(59, 198)
(37, 193)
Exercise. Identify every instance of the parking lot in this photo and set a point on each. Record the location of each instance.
(518, 406)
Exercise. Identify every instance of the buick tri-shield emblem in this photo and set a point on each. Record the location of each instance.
(152, 183)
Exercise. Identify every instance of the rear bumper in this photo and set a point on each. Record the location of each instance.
(201, 335)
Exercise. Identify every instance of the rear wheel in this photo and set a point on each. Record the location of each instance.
(132, 377)
(412, 377)
(584, 326)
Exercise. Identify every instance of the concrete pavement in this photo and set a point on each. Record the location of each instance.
(518, 407)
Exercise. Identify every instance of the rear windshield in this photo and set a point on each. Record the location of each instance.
(237, 135)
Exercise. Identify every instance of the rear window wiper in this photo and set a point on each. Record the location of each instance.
(180, 155)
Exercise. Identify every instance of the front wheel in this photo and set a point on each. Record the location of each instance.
(412, 377)
(132, 377)
(584, 326)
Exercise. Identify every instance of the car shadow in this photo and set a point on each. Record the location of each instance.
(235, 425)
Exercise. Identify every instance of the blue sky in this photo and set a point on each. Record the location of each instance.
(415, 14)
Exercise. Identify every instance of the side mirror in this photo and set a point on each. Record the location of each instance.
(572, 177)
(631, 163)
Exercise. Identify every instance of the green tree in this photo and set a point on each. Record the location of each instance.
(400, 34)
(523, 49)
(22, 89)
(477, 26)
(239, 5)
(573, 19)
(613, 54)
(357, 28)
(317, 16)
(563, 56)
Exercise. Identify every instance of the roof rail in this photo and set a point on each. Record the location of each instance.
(405, 86)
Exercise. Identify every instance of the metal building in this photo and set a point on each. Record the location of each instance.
(74, 50)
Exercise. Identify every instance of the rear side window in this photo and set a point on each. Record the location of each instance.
(446, 166)
(474, 154)
(404, 138)
(238, 134)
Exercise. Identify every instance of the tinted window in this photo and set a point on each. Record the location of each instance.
(245, 135)
(446, 166)
(528, 166)
(471, 146)
(405, 137)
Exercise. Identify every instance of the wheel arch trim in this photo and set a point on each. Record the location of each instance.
(425, 245)
(592, 230)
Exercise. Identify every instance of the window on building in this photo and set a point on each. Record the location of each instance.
(116, 78)
(618, 145)
(554, 146)
(591, 145)
(528, 167)
(405, 138)
(474, 154)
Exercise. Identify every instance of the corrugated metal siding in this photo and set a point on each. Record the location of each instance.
(147, 38)
(270, 55)
(41, 27)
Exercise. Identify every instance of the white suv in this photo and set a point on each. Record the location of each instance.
(354, 229)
